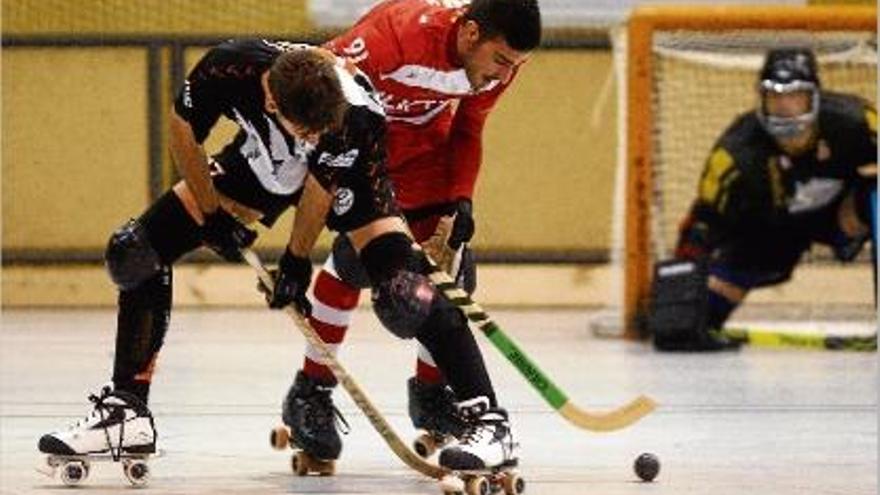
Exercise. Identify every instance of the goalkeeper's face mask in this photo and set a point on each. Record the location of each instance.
(788, 110)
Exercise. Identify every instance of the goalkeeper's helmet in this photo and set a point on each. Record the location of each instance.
(788, 70)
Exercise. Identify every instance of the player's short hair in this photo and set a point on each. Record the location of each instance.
(307, 90)
(517, 21)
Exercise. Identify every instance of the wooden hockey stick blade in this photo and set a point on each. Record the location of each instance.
(615, 419)
(392, 439)
(762, 337)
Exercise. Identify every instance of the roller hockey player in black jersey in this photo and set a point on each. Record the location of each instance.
(311, 135)
(799, 169)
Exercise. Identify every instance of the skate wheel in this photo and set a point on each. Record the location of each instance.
(425, 445)
(477, 485)
(302, 464)
(279, 438)
(324, 468)
(74, 472)
(513, 484)
(137, 472)
(299, 463)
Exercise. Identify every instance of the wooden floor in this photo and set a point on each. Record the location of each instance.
(753, 422)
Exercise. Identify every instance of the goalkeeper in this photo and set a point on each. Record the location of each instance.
(798, 169)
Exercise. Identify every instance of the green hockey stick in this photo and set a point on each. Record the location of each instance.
(403, 452)
(762, 337)
(594, 421)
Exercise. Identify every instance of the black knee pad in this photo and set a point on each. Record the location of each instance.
(131, 259)
(385, 255)
(347, 264)
(159, 237)
(404, 302)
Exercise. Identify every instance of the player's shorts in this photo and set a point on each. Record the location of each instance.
(238, 182)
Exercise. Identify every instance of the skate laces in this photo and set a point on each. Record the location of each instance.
(442, 400)
(478, 427)
(323, 413)
(97, 408)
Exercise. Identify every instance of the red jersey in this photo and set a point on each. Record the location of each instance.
(435, 117)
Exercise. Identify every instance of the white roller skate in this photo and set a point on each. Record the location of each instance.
(483, 459)
(119, 429)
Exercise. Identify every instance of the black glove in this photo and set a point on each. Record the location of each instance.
(463, 226)
(291, 282)
(225, 235)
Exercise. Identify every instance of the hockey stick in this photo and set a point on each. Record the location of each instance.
(403, 452)
(594, 421)
(762, 337)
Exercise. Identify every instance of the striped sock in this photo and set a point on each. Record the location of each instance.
(333, 305)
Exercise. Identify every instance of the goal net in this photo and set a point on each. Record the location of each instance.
(683, 75)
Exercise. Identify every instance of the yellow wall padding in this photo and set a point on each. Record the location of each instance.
(75, 157)
(74, 147)
(154, 17)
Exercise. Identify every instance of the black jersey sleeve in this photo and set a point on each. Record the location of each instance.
(357, 149)
(222, 75)
(716, 208)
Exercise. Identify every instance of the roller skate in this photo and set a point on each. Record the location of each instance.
(119, 429)
(433, 412)
(482, 460)
(310, 427)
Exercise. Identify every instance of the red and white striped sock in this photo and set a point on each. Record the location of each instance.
(333, 304)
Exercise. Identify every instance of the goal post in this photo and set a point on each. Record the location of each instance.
(711, 39)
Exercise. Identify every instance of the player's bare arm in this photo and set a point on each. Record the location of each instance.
(192, 163)
(310, 217)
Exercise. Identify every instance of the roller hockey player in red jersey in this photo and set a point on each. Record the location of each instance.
(799, 169)
(439, 66)
(312, 135)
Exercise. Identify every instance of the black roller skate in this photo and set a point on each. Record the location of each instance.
(310, 427)
(433, 412)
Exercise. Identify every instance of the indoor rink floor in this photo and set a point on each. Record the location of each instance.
(757, 421)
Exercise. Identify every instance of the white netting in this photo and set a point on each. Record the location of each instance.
(704, 80)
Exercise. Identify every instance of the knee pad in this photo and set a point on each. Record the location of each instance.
(389, 253)
(347, 264)
(159, 237)
(404, 302)
(131, 259)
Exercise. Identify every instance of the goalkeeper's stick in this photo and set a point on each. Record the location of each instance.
(762, 337)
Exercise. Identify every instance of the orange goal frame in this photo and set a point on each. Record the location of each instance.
(642, 24)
